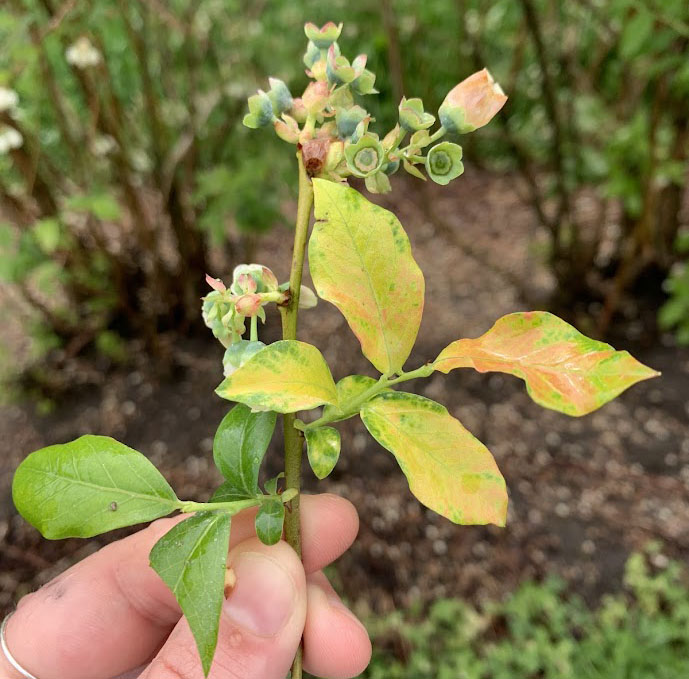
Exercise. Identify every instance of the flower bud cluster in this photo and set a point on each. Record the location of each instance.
(331, 126)
(225, 309)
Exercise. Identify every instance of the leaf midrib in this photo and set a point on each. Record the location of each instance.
(368, 280)
(86, 484)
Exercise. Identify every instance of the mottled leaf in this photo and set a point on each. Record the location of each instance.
(191, 559)
(563, 369)
(348, 389)
(323, 449)
(360, 260)
(286, 376)
(448, 470)
(239, 445)
(89, 486)
(269, 520)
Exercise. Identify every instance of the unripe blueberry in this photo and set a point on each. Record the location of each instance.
(324, 36)
(412, 116)
(444, 162)
(365, 157)
(348, 119)
(260, 111)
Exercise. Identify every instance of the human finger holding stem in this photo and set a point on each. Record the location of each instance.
(111, 616)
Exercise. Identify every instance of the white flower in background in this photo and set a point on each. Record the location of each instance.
(140, 160)
(9, 139)
(103, 145)
(82, 53)
(8, 99)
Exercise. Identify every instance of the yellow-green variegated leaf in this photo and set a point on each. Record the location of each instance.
(361, 261)
(286, 376)
(563, 369)
(448, 469)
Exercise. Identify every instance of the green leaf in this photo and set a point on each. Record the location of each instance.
(269, 520)
(636, 32)
(89, 486)
(271, 485)
(323, 448)
(448, 470)
(47, 233)
(101, 205)
(361, 261)
(348, 389)
(286, 376)
(191, 559)
(563, 369)
(227, 493)
(239, 446)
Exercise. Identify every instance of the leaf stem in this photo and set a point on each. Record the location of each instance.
(351, 408)
(292, 437)
(253, 333)
(231, 507)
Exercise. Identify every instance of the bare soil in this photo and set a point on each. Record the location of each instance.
(584, 492)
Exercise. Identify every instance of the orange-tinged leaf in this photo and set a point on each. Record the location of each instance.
(563, 369)
(448, 469)
(286, 376)
(361, 261)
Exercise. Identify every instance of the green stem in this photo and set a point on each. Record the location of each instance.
(437, 134)
(293, 438)
(253, 333)
(350, 408)
(233, 507)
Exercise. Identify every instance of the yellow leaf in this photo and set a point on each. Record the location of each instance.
(286, 376)
(563, 369)
(360, 260)
(448, 469)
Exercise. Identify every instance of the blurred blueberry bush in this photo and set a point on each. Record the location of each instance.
(121, 179)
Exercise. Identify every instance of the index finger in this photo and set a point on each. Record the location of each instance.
(111, 612)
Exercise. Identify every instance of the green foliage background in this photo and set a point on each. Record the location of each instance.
(599, 100)
(542, 631)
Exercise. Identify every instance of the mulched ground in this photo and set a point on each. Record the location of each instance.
(584, 492)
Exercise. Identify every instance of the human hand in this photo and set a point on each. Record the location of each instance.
(111, 614)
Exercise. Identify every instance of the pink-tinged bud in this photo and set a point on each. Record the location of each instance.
(246, 283)
(298, 110)
(248, 305)
(270, 281)
(215, 283)
(471, 104)
(287, 129)
(316, 96)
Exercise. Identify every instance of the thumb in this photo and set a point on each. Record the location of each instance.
(261, 622)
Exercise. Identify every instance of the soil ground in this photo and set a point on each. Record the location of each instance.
(584, 492)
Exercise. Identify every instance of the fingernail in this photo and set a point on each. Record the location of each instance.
(264, 596)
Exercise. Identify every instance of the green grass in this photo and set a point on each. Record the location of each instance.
(539, 632)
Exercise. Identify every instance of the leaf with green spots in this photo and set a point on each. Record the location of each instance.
(448, 470)
(239, 446)
(323, 449)
(89, 486)
(563, 369)
(349, 389)
(191, 559)
(286, 376)
(361, 261)
(269, 520)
